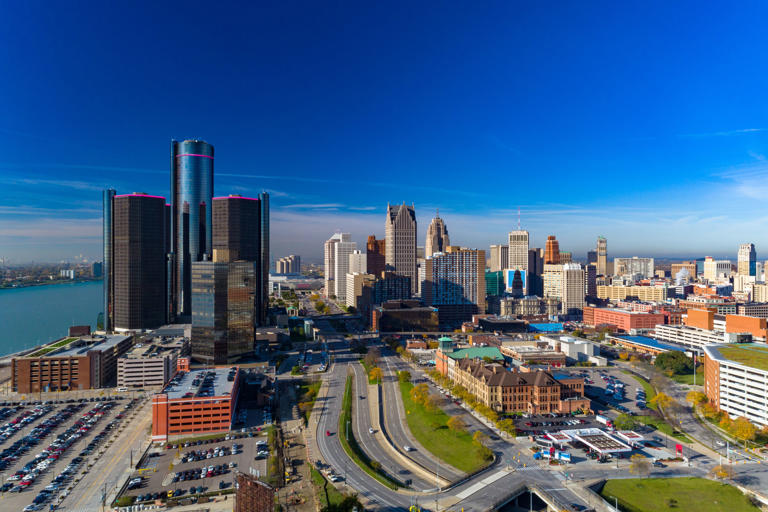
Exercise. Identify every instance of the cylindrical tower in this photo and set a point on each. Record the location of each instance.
(107, 266)
(191, 195)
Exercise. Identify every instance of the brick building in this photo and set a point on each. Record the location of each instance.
(253, 495)
(622, 319)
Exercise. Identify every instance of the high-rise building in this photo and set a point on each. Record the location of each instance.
(634, 266)
(535, 271)
(137, 270)
(391, 286)
(688, 269)
(288, 265)
(716, 269)
(342, 251)
(552, 251)
(565, 257)
(358, 262)
(236, 228)
(455, 283)
(400, 234)
(223, 310)
(359, 294)
(552, 281)
(499, 258)
(747, 260)
(602, 256)
(572, 296)
(590, 277)
(329, 262)
(108, 242)
(592, 257)
(518, 250)
(191, 216)
(376, 251)
(494, 283)
(263, 295)
(437, 237)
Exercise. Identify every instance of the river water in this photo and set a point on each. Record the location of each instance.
(38, 314)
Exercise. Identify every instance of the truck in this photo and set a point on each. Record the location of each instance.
(604, 420)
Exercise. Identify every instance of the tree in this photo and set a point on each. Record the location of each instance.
(372, 357)
(696, 398)
(419, 393)
(623, 356)
(625, 422)
(480, 437)
(674, 361)
(399, 350)
(662, 400)
(456, 424)
(375, 374)
(507, 426)
(404, 376)
(742, 429)
(639, 465)
(722, 472)
(348, 504)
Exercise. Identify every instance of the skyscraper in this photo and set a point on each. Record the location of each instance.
(552, 251)
(499, 257)
(357, 262)
(437, 237)
(535, 271)
(236, 228)
(137, 272)
(329, 262)
(400, 235)
(108, 241)
(592, 257)
(263, 294)
(376, 255)
(602, 256)
(455, 283)
(518, 250)
(191, 223)
(223, 298)
(343, 249)
(747, 260)
(573, 285)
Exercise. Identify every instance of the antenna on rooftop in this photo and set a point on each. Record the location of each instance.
(518, 218)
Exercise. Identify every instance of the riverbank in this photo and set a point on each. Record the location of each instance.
(48, 283)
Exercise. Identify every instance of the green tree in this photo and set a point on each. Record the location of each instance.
(404, 376)
(625, 422)
(639, 465)
(674, 361)
(456, 424)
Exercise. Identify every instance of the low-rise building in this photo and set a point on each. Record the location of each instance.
(622, 319)
(196, 402)
(758, 309)
(574, 349)
(253, 495)
(736, 380)
(695, 338)
(149, 364)
(404, 315)
(68, 364)
(534, 355)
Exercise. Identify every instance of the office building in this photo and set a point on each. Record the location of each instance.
(96, 269)
(265, 261)
(641, 293)
(747, 260)
(288, 265)
(455, 284)
(404, 315)
(590, 276)
(592, 258)
(602, 256)
(134, 247)
(236, 228)
(358, 262)
(437, 237)
(191, 217)
(70, 364)
(736, 380)
(223, 310)
(342, 250)
(108, 253)
(552, 281)
(329, 262)
(400, 235)
(687, 267)
(622, 319)
(634, 266)
(518, 250)
(494, 283)
(194, 403)
(715, 270)
(566, 257)
(499, 257)
(375, 255)
(390, 286)
(572, 296)
(535, 271)
(359, 293)
(552, 251)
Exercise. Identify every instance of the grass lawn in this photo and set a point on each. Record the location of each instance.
(673, 494)
(326, 492)
(688, 379)
(649, 391)
(662, 426)
(431, 430)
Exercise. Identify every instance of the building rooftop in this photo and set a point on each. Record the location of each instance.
(753, 355)
(649, 342)
(200, 383)
(154, 348)
(476, 353)
(100, 343)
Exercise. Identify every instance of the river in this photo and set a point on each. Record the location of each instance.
(38, 314)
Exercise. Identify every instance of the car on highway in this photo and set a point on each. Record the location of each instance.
(407, 448)
(370, 430)
(327, 433)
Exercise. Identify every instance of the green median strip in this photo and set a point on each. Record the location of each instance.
(353, 449)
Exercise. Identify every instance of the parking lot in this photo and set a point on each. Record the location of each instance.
(45, 447)
(537, 424)
(602, 385)
(190, 468)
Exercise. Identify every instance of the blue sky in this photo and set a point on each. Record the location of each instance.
(646, 123)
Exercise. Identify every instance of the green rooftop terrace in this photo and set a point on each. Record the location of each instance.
(53, 346)
(749, 354)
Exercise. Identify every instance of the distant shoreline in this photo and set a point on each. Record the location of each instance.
(53, 283)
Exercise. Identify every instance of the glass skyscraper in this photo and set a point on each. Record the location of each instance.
(263, 298)
(191, 226)
(108, 241)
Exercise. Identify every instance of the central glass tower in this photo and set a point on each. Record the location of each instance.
(191, 222)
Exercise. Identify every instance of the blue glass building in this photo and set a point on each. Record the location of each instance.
(108, 241)
(191, 223)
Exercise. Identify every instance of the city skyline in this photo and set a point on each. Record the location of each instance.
(314, 121)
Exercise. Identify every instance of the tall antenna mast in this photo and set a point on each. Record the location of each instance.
(518, 218)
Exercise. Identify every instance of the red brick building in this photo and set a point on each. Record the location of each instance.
(622, 319)
(253, 495)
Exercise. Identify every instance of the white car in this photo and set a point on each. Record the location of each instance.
(370, 430)
(407, 448)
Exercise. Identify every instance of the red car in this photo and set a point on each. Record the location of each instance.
(327, 433)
